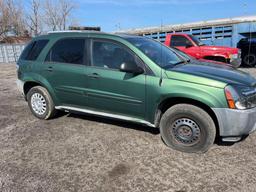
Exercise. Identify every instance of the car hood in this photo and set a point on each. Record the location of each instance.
(220, 49)
(214, 71)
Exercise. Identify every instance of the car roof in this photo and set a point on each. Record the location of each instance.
(81, 33)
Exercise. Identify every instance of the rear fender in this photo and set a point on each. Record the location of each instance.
(37, 78)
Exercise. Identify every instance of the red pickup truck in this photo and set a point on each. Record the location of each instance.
(195, 48)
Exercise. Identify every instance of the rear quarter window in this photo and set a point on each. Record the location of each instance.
(33, 50)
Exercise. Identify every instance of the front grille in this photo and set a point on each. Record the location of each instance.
(239, 54)
(251, 98)
(249, 93)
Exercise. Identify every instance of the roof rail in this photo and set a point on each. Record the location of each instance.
(66, 31)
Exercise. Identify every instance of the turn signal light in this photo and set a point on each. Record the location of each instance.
(230, 100)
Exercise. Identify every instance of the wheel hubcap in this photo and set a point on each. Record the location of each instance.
(38, 103)
(186, 131)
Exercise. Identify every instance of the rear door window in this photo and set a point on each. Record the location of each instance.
(69, 51)
(33, 50)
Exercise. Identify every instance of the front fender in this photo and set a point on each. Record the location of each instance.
(178, 92)
(209, 95)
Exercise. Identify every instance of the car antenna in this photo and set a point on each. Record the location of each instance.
(161, 76)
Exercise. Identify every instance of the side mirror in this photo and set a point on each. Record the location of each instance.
(189, 45)
(131, 68)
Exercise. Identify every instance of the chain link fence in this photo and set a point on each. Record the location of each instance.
(9, 53)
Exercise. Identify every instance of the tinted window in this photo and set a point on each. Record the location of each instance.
(33, 49)
(67, 51)
(178, 40)
(26, 51)
(156, 51)
(110, 55)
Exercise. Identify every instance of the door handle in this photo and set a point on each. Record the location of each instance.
(50, 69)
(94, 76)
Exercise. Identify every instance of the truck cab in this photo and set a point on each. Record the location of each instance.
(192, 46)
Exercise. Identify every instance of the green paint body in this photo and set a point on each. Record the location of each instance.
(116, 92)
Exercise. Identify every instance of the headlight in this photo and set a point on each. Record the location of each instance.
(240, 97)
(233, 57)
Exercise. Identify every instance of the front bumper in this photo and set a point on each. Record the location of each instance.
(236, 62)
(236, 59)
(20, 85)
(235, 122)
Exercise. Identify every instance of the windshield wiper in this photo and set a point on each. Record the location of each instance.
(182, 62)
(175, 64)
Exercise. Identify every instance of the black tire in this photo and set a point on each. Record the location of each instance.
(49, 108)
(250, 59)
(199, 128)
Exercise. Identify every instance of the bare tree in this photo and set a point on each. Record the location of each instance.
(11, 17)
(16, 16)
(58, 13)
(51, 15)
(66, 9)
(55, 15)
(34, 18)
(3, 18)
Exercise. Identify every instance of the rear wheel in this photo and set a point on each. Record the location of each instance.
(40, 103)
(187, 128)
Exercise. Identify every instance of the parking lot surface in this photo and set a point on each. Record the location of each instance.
(86, 153)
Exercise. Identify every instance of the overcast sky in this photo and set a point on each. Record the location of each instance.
(112, 14)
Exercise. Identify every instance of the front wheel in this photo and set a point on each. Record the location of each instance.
(187, 128)
(250, 59)
(40, 103)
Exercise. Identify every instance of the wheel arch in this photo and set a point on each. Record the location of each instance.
(219, 58)
(169, 102)
(30, 83)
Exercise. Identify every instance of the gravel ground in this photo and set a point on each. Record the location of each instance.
(86, 153)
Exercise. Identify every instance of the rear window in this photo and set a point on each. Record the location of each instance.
(33, 50)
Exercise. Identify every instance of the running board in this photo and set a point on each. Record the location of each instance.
(121, 117)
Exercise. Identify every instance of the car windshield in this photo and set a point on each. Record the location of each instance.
(156, 51)
(196, 40)
(182, 54)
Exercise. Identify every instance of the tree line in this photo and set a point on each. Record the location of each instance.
(35, 17)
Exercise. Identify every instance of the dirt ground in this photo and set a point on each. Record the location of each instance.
(86, 153)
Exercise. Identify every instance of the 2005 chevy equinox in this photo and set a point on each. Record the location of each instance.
(138, 79)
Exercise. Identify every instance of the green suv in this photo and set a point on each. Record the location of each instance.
(138, 79)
